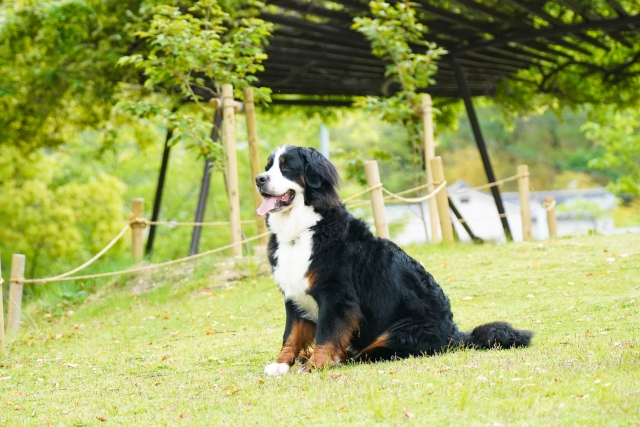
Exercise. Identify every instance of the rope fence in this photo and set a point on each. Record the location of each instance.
(524, 187)
(64, 277)
(378, 196)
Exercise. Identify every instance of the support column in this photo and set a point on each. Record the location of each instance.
(254, 158)
(477, 133)
(204, 186)
(228, 108)
(430, 153)
(159, 190)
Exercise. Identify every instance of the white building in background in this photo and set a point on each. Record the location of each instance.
(578, 212)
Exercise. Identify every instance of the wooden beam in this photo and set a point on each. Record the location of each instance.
(590, 16)
(521, 36)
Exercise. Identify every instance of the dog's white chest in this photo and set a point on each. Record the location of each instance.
(293, 259)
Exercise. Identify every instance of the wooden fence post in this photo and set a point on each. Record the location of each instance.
(430, 153)
(377, 201)
(228, 105)
(254, 158)
(551, 216)
(2, 343)
(137, 211)
(525, 207)
(442, 200)
(15, 293)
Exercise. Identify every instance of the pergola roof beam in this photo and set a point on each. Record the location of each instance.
(522, 36)
(590, 16)
(555, 22)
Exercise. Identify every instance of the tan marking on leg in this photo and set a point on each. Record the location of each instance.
(380, 342)
(335, 351)
(301, 337)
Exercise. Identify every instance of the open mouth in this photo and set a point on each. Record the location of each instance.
(273, 203)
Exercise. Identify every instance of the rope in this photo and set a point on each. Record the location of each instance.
(416, 199)
(144, 223)
(504, 215)
(359, 204)
(143, 268)
(491, 184)
(363, 192)
(411, 190)
(96, 256)
(543, 205)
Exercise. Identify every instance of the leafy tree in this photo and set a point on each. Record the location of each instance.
(190, 54)
(618, 133)
(57, 67)
(395, 32)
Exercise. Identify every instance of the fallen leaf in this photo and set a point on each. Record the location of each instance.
(174, 334)
(457, 384)
(341, 408)
(16, 393)
(467, 298)
(157, 384)
(530, 296)
(589, 274)
(71, 365)
(335, 375)
(407, 413)
(103, 419)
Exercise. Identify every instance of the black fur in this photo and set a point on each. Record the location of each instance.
(368, 289)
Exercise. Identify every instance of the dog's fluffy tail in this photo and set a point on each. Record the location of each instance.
(495, 335)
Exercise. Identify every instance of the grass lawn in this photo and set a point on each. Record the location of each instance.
(190, 350)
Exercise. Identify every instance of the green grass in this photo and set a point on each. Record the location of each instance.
(191, 350)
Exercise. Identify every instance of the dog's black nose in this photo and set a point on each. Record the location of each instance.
(262, 179)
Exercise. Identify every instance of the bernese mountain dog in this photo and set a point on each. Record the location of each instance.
(356, 296)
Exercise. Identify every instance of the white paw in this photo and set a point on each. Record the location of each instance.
(276, 369)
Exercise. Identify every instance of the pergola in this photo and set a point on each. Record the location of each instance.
(315, 58)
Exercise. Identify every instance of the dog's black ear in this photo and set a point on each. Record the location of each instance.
(318, 169)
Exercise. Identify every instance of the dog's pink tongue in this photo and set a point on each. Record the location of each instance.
(268, 204)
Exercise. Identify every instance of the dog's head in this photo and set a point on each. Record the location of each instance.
(296, 175)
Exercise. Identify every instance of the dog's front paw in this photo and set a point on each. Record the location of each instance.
(276, 369)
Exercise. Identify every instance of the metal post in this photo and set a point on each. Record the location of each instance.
(477, 133)
(204, 186)
(159, 189)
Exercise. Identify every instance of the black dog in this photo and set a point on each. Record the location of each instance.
(358, 297)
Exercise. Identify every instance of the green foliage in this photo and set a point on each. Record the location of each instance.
(57, 67)
(394, 31)
(57, 223)
(189, 56)
(618, 133)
